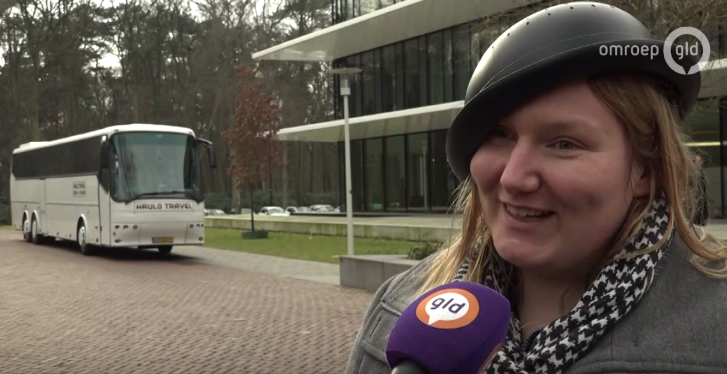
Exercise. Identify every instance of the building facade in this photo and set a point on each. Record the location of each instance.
(417, 57)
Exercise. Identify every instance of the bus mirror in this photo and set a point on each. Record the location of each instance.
(212, 156)
(105, 154)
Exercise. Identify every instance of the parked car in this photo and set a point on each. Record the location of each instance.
(297, 209)
(274, 211)
(322, 208)
(214, 212)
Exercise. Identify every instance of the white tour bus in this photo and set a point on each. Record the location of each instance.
(134, 185)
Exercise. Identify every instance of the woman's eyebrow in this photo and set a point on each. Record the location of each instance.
(562, 125)
(571, 125)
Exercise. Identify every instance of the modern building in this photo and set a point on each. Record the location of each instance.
(417, 57)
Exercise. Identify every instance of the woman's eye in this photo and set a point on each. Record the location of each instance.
(565, 144)
(500, 132)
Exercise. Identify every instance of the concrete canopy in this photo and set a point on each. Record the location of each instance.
(394, 23)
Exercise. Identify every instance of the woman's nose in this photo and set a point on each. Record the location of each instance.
(520, 170)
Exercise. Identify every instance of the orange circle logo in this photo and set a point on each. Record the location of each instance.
(448, 309)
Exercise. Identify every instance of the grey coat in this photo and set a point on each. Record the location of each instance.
(680, 326)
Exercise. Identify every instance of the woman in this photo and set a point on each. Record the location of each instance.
(576, 206)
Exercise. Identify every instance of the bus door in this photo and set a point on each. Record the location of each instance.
(104, 215)
(43, 219)
(104, 195)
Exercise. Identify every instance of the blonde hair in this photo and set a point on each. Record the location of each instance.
(658, 143)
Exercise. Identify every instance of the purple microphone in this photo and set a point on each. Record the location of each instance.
(454, 328)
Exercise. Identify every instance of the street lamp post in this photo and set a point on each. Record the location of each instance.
(344, 73)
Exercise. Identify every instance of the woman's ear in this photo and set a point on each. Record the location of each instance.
(641, 180)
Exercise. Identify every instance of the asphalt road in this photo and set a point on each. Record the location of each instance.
(130, 311)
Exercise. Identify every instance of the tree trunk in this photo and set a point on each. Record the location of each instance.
(270, 181)
(252, 208)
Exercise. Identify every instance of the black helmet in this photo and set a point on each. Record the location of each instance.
(549, 48)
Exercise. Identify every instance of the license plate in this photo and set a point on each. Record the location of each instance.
(164, 239)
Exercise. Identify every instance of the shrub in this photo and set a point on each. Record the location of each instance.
(423, 250)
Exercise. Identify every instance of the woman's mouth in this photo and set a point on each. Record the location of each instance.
(527, 213)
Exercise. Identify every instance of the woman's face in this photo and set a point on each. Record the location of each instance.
(553, 180)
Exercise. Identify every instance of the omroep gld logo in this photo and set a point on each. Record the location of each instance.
(669, 49)
(681, 51)
(448, 309)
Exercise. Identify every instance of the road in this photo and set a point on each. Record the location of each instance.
(129, 311)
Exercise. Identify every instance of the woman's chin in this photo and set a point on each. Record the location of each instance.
(522, 254)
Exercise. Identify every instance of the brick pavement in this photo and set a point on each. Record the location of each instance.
(286, 267)
(139, 312)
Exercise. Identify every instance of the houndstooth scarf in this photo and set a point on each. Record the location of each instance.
(615, 291)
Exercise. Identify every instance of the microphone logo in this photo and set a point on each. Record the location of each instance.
(449, 308)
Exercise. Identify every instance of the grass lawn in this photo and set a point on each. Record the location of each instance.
(301, 246)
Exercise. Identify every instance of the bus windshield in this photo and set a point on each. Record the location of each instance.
(148, 165)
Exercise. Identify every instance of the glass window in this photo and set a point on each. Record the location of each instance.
(448, 67)
(341, 175)
(357, 175)
(377, 80)
(712, 31)
(385, 3)
(423, 91)
(388, 78)
(395, 173)
(488, 36)
(417, 181)
(461, 57)
(411, 74)
(442, 184)
(475, 52)
(349, 10)
(702, 127)
(368, 88)
(400, 90)
(354, 101)
(368, 6)
(374, 174)
(337, 99)
(357, 187)
(354, 9)
(154, 164)
(357, 87)
(435, 67)
(336, 12)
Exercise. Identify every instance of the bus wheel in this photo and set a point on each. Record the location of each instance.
(81, 238)
(37, 238)
(34, 232)
(26, 230)
(167, 249)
